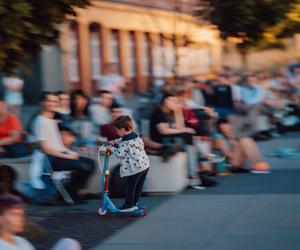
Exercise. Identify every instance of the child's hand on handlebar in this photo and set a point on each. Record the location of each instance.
(111, 143)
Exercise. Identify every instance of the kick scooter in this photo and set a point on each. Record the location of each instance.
(106, 205)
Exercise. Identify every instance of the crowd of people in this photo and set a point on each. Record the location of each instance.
(228, 113)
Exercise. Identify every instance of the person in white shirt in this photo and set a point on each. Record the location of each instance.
(13, 93)
(112, 81)
(61, 158)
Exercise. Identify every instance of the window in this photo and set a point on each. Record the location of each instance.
(170, 52)
(132, 55)
(73, 54)
(146, 60)
(159, 66)
(95, 48)
(115, 56)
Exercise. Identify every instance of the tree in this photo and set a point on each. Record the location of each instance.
(286, 27)
(247, 19)
(26, 25)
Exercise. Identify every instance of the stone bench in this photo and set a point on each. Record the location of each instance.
(167, 177)
(20, 165)
(163, 177)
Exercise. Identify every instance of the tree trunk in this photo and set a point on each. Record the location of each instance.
(244, 53)
(176, 66)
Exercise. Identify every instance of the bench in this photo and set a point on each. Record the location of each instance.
(167, 177)
(20, 165)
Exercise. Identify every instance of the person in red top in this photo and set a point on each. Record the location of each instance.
(11, 141)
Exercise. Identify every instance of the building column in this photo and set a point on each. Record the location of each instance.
(141, 79)
(156, 55)
(124, 53)
(65, 48)
(216, 55)
(84, 58)
(105, 44)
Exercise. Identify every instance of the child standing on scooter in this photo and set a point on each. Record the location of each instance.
(134, 161)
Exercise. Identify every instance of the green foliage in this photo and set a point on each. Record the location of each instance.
(247, 19)
(25, 25)
(287, 26)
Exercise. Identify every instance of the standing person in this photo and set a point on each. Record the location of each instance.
(112, 81)
(134, 161)
(13, 93)
(60, 157)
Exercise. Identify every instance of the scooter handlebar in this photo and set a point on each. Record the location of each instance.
(104, 149)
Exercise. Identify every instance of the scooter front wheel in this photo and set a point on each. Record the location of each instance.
(102, 212)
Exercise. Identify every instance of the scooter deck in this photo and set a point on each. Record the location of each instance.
(136, 213)
(141, 212)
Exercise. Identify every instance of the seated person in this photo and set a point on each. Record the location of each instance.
(195, 115)
(199, 118)
(12, 223)
(222, 97)
(11, 134)
(100, 111)
(237, 151)
(110, 133)
(64, 103)
(60, 157)
(108, 130)
(80, 122)
(167, 126)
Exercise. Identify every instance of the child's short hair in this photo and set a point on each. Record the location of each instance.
(124, 122)
(10, 201)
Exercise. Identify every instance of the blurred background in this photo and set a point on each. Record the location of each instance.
(65, 44)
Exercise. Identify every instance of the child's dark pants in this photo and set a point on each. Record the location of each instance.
(134, 187)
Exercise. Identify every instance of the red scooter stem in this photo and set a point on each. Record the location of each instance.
(106, 181)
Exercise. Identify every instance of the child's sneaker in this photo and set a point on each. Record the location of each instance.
(261, 168)
(139, 206)
(125, 208)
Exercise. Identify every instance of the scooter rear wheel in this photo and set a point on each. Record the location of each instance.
(102, 212)
(145, 212)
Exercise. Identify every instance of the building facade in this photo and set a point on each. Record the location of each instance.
(146, 39)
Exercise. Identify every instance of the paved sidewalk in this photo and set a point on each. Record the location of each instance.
(243, 212)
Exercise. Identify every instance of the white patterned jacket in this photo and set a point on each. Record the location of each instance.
(130, 149)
